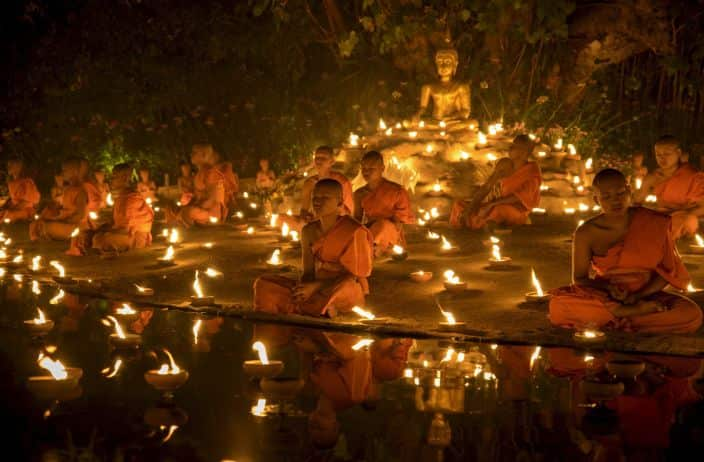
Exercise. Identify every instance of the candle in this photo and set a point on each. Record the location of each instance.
(363, 343)
(452, 282)
(120, 339)
(449, 323)
(382, 125)
(168, 377)
(61, 278)
(275, 259)
(60, 381)
(538, 295)
(589, 335)
(200, 299)
(39, 325)
(398, 253)
(353, 139)
(260, 409)
(497, 260)
(144, 291)
(263, 367)
(447, 248)
(421, 276)
(697, 247)
(481, 139)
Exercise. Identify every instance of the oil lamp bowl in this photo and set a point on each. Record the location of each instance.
(535, 298)
(64, 280)
(146, 292)
(581, 337)
(281, 388)
(375, 322)
(46, 386)
(625, 368)
(166, 382)
(455, 288)
(255, 368)
(446, 326)
(421, 277)
(39, 329)
(130, 341)
(504, 262)
(208, 300)
(449, 252)
(399, 256)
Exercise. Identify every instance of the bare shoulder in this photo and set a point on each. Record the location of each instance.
(587, 229)
(311, 229)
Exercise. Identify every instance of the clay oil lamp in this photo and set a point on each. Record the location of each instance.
(275, 260)
(367, 317)
(61, 278)
(450, 322)
(538, 295)
(39, 325)
(56, 299)
(168, 377)
(589, 165)
(126, 313)
(36, 265)
(651, 199)
(142, 291)
(697, 247)
(281, 387)
(398, 253)
(200, 299)
(436, 189)
(421, 276)
(112, 371)
(447, 248)
(453, 283)
(481, 140)
(262, 367)
(259, 410)
(625, 368)
(498, 261)
(432, 236)
(60, 380)
(363, 343)
(120, 339)
(168, 258)
(589, 336)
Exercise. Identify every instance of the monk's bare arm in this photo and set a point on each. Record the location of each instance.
(655, 285)
(582, 259)
(215, 195)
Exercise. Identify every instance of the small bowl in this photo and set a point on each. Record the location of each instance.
(581, 337)
(208, 300)
(399, 256)
(455, 288)
(533, 297)
(255, 368)
(505, 262)
(64, 280)
(625, 368)
(166, 382)
(421, 277)
(130, 341)
(146, 292)
(39, 329)
(46, 386)
(446, 326)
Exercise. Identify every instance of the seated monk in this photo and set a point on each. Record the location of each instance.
(232, 184)
(382, 205)
(633, 255)
(103, 188)
(24, 195)
(208, 192)
(337, 259)
(266, 178)
(678, 186)
(146, 186)
(508, 196)
(57, 191)
(185, 182)
(58, 223)
(92, 192)
(323, 160)
(132, 217)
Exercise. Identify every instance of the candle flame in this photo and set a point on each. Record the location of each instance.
(571, 149)
(446, 244)
(250, 230)
(92, 215)
(75, 232)
(700, 241)
(18, 259)
(429, 148)
(542, 153)
(294, 236)
(35, 263)
(408, 373)
(115, 369)
(421, 124)
(382, 124)
(464, 155)
(538, 210)
(496, 252)
(285, 230)
(433, 236)
(212, 272)
(108, 200)
(273, 219)
(363, 313)
(125, 310)
(448, 355)
(59, 268)
(245, 195)
(55, 368)
(3, 253)
(534, 357)
(494, 240)
(259, 409)
(583, 207)
(558, 145)
(353, 139)
(639, 183)
(492, 130)
(141, 289)
(589, 334)
(239, 214)
(389, 131)
(362, 343)
(570, 210)
(451, 277)
(118, 328)
(652, 198)
(173, 236)
(174, 368)
(412, 134)
(491, 157)
(169, 254)
(588, 164)
(196, 329)
(434, 212)
(449, 317)
(397, 249)
(35, 288)
(275, 258)
(57, 298)
(691, 288)
(576, 179)
(536, 283)
(261, 351)
(213, 220)
(436, 187)
(196, 286)
(41, 319)
(208, 245)
(481, 139)
(253, 205)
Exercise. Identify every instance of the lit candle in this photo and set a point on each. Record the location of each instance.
(168, 377)
(432, 236)
(39, 325)
(421, 276)
(558, 144)
(382, 125)
(362, 313)
(497, 260)
(538, 295)
(651, 198)
(275, 259)
(263, 367)
(452, 282)
(398, 253)
(200, 299)
(589, 335)
(120, 339)
(481, 139)
(354, 139)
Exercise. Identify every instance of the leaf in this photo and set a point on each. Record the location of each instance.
(347, 45)
(260, 7)
(465, 15)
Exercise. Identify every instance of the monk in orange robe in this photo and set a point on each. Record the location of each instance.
(92, 192)
(382, 205)
(323, 160)
(101, 185)
(59, 223)
(185, 183)
(57, 191)
(132, 216)
(146, 186)
(24, 195)
(266, 178)
(232, 184)
(678, 187)
(509, 194)
(632, 252)
(337, 260)
(208, 203)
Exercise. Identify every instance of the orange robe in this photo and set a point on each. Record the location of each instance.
(344, 254)
(265, 180)
(132, 224)
(524, 183)
(232, 182)
(185, 184)
(207, 178)
(683, 189)
(648, 249)
(72, 196)
(384, 209)
(147, 190)
(21, 190)
(94, 196)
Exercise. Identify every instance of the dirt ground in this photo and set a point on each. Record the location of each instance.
(493, 307)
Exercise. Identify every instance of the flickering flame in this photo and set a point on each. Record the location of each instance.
(92, 215)
(35, 263)
(250, 230)
(261, 351)
(652, 198)
(141, 289)
(273, 219)
(589, 163)
(41, 319)
(75, 232)
(460, 357)
(239, 214)
(57, 298)
(534, 357)
(421, 124)
(289, 212)
(596, 208)
(212, 272)
(700, 241)
(532, 136)
(18, 259)
(496, 253)
(451, 277)
(363, 313)
(446, 244)
(7, 221)
(3, 253)
(691, 288)
(442, 124)
(354, 139)
(580, 189)
(125, 309)
(436, 187)
(544, 187)
(55, 368)
(109, 200)
(429, 148)
(171, 368)
(492, 130)
(412, 134)
(580, 223)
(294, 236)
(421, 222)
(397, 249)
(449, 317)
(275, 258)
(389, 131)
(196, 286)
(558, 145)
(433, 236)
(639, 183)
(213, 220)
(588, 358)
(481, 138)
(169, 254)
(118, 328)
(365, 342)
(571, 149)
(35, 288)
(398, 125)
(434, 212)
(245, 195)
(570, 210)
(408, 373)
(173, 236)
(583, 207)
(494, 240)
(536, 283)
(258, 410)
(285, 230)
(17, 277)
(491, 157)
(253, 205)
(538, 210)
(542, 153)
(59, 268)
(464, 155)
(165, 232)
(449, 354)
(208, 245)
(576, 179)
(115, 369)
(382, 124)
(196, 329)
(426, 216)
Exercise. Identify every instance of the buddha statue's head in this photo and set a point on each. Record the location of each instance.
(446, 61)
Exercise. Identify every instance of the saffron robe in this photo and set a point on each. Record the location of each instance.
(343, 254)
(24, 197)
(265, 180)
(384, 210)
(147, 190)
(93, 195)
(683, 189)
(524, 184)
(232, 182)
(63, 219)
(132, 224)
(648, 249)
(185, 185)
(208, 180)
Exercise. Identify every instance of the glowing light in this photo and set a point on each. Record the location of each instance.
(365, 342)
(212, 272)
(115, 369)
(75, 232)
(589, 163)
(173, 236)
(354, 139)
(57, 298)
(141, 289)
(196, 329)
(449, 317)
(41, 319)
(691, 288)
(35, 288)
(398, 250)
(436, 187)
(59, 268)
(583, 207)
(259, 409)
(421, 124)
(92, 215)
(536, 283)
(363, 313)
(213, 220)
(17, 277)
(273, 220)
(275, 259)
(464, 155)
(481, 138)
(491, 157)
(534, 357)
(542, 153)
(208, 245)
(412, 134)
(285, 230)
(496, 252)
(538, 211)
(576, 179)
(55, 368)
(446, 245)
(434, 212)
(532, 136)
(558, 145)
(442, 124)
(451, 277)
(239, 214)
(169, 254)
(389, 131)
(651, 198)
(118, 328)
(408, 373)
(294, 236)
(449, 354)
(253, 205)
(639, 183)
(109, 200)
(18, 259)
(494, 239)
(429, 148)
(171, 368)
(196, 286)
(432, 236)
(700, 241)
(35, 263)
(571, 149)
(250, 230)
(382, 124)
(261, 351)
(570, 210)
(125, 309)
(245, 195)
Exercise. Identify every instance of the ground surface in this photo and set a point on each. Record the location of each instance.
(493, 308)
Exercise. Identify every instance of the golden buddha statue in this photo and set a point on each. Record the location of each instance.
(451, 99)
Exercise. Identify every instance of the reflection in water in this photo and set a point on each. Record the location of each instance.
(333, 397)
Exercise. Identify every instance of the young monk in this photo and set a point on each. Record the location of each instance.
(323, 160)
(632, 251)
(103, 188)
(57, 191)
(59, 223)
(508, 196)
(266, 178)
(208, 191)
(146, 186)
(337, 259)
(232, 183)
(185, 182)
(92, 192)
(24, 195)
(639, 170)
(382, 205)
(678, 186)
(132, 217)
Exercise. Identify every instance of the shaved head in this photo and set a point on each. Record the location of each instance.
(325, 150)
(668, 140)
(331, 185)
(373, 156)
(121, 169)
(608, 175)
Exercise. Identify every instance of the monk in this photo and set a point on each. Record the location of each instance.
(232, 184)
(185, 182)
(632, 252)
(266, 178)
(146, 186)
(57, 191)
(323, 160)
(508, 196)
(92, 192)
(24, 195)
(639, 170)
(103, 188)
(337, 260)
(678, 187)
(382, 205)
(132, 217)
(208, 203)
(59, 223)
